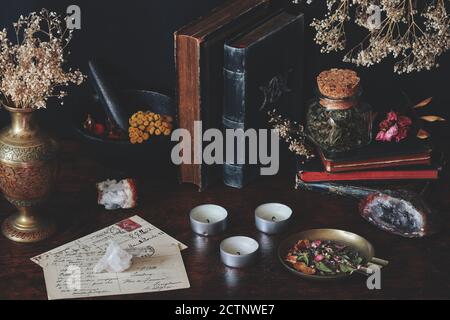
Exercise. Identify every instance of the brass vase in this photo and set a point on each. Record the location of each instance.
(28, 165)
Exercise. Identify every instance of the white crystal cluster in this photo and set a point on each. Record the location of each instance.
(117, 195)
(115, 259)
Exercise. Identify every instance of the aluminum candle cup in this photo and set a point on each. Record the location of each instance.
(208, 220)
(272, 218)
(238, 252)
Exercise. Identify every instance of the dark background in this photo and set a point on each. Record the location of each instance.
(135, 39)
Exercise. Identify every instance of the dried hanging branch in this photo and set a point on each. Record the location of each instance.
(292, 133)
(415, 33)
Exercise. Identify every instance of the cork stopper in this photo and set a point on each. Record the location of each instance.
(338, 83)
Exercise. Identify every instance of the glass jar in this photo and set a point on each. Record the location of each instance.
(339, 125)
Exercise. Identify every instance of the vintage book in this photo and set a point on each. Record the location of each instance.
(262, 71)
(315, 172)
(337, 188)
(323, 176)
(379, 155)
(199, 67)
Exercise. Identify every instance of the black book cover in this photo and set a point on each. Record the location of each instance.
(263, 70)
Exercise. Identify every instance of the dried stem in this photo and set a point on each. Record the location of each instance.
(415, 38)
(293, 134)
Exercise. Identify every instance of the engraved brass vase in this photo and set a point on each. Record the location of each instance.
(28, 165)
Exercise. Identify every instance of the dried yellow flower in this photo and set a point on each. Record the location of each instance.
(145, 124)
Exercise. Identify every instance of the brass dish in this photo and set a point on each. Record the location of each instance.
(356, 242)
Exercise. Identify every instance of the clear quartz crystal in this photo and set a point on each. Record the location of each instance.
(115, 259)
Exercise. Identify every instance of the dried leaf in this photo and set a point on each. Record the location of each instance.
(291, 259)
(432, 118)
(303, 268)
(423, 103)
(322, 267)
(346, 269)
(422, 134)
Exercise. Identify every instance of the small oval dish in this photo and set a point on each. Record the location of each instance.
(356, 243)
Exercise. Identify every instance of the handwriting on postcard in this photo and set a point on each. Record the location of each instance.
(70, 275)
(131, 233)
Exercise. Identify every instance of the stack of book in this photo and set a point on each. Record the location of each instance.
(245, 58)
(232, 65)
(408, 160)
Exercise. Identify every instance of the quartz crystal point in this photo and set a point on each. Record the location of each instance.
(115, 259)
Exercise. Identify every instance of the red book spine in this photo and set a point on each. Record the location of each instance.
(309, 176)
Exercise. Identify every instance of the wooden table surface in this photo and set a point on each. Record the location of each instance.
(419, 269)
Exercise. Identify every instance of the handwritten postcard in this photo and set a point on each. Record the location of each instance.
(131, 233)
(70, 274)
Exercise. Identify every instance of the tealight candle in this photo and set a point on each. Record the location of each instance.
(272, 218)
(208, 219)
(238, 252)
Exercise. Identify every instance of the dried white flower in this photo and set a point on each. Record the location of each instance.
(292, 133)
(31, 70)
(416, 38)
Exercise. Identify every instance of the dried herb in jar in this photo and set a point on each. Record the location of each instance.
(338, 130)
(337, 121)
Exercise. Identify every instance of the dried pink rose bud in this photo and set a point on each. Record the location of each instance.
(391, 133)
(319, 258)
(316, 243)
(394, 127)
(392, 116)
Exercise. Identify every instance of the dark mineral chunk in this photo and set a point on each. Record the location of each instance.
(402, 213)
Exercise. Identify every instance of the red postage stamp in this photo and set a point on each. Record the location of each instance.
(128, 225)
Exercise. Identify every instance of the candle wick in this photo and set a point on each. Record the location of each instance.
(274, 218)
(238, 253)
(207, 220)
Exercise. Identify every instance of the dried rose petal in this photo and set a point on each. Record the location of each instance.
(380, 136)
(319, 257)
(404, 121)
(385, 125)
(302, 244)
(99, 129)
(291, 259)
(392, 116)
(402, 134)
(316, 243)
(303, 268)
(391, 133)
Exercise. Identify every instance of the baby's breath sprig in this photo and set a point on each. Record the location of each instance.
(414, 32)
(31, 70)
(292, 133)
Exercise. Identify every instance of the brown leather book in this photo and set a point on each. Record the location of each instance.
(379, 155)
(199, 56)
